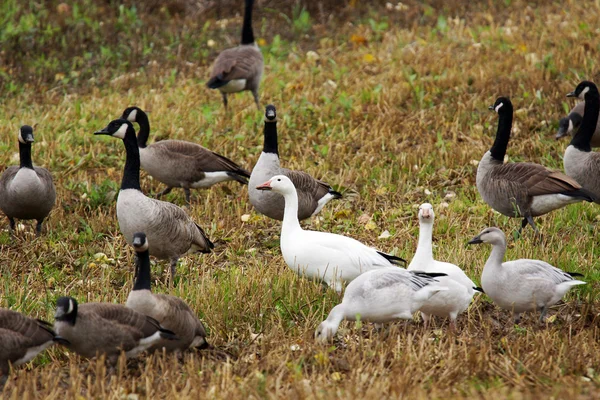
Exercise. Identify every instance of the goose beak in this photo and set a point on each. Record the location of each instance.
(572, 94)
(137, 242)
(561, 132)
(425, 213)
(491, 107)
(59, 313)
(103, 131)
(475, 240)
(264, 186)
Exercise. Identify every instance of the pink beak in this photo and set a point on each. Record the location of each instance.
(426, 213)
(264, 186)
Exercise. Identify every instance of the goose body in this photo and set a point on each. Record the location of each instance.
(178, 163)
(332, 258)
(172, 232)
(171, 312)
(313, 194)
(239, 68)
(26, 192)
(570, 124)
(106, 328)
(580, 162)
(380, 296)
(22, 338)
(522, 190)
(449, 303)
(521, 285)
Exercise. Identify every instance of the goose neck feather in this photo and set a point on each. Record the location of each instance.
(582, 139)
(142, 280)
(25, 155)
(247, 33)
(505, 119)
(290, 214)
(144, 132)
(424, 253)
(270, 133)
(131, 172)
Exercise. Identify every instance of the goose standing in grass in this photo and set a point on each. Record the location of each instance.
(106, 328)
(581, 163)
(522, 190)
(178, 163)
(332, 258)
(455, 300)
(170, 230)
(21, 339)
(571, 123)
(521, 285)
(26, 192)
(381, 295)
(171, 312)
(239, 68)
(312, 193)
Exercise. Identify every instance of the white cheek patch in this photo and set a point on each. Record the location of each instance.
(498, 107)
(21, 137)
(583, 92)
(71, 307)
(570, 128)
(132, 116)
(121, 132)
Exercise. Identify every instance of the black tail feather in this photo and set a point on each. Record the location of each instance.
(216, 82)
(478, 289)
(393, 259)
(239, 177)
(581, 194)
(167, 334)
(336, 195)
(424, 274)
(61, 340)
(574, 274)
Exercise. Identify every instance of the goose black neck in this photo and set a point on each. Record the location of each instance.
(142, 266)
(131, 173)
(144, 132)
(247, 34)
(581, 140)
(498, 150)
(25, 155)
(270, 145)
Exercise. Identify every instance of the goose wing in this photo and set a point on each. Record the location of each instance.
(309, 189)
(37, 332)
(180, 316)
(537, 269)
(142, 325)
(242, 62)
(534, 179)
(387, 277)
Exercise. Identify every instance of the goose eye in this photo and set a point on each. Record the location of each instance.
(278, 180)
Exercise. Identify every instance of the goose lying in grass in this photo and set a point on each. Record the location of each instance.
(21, 339)
(570, 124)
(381, 295)
(178, 163)
(170, 230)
(335, 259)
(106, 328)
(522, 190)
(581, 163)
(171, 312)
(312, 193)
(449, 303)
(26, 192)
(521, 285)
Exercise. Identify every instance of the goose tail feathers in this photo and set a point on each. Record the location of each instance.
(393, 259)
(216, 82)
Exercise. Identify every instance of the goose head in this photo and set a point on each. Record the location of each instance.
(502, 105)
(582, 90)
(270, 113)
(140, 243)
(565, 127)
(66, 310)
(131, 113)
(325, 331)
(489, 235)
(426, 213)
(118, 128)
(279, 183)
(26, 134)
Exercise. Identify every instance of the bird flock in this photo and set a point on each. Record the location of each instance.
(374, 284)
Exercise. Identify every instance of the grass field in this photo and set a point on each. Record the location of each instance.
(390, 107)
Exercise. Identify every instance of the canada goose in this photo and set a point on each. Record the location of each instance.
(522, 190)
(569, 124)
(239, 68)
(178, 163)
(312, 193)
(171, 312)
(455, 300)
(106, 328)
(170, 230)
(379, 296)
(521, 285)
(26, 192)
(581, 163)
(22, 338)
(331, 258)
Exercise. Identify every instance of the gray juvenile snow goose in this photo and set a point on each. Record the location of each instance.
(106, 328)
(312, 193)
(522, 190)
(26, 192)
(239, 68)
(569, 124)
(22, 338)
(521, 285)
(170, 230)
(581, 163)
(171, 312)
(178, 163)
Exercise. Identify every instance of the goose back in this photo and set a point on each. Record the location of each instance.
(27, 193)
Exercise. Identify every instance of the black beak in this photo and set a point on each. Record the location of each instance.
(572, 94)
(103, 131)
(561, 132)
(491, 107)
(475, 240)
(28, 138)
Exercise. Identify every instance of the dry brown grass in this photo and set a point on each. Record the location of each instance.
(408, 113)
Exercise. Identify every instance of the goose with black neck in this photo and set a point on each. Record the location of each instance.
(580, 162)
(168, 227)
(178, 163)
(570, 124)
(522, 190)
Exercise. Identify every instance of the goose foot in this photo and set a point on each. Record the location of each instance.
(224, 100)
(12, 225)
(255, 95)
(426, 319)
(167, 190)
(517, 318)
(543, 314)
(38, 227)
(173, 269)
(188, 195)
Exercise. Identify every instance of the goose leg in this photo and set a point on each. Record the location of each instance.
(224, 100)
(173, 268)
(12, 225)
(166, 191)
(517, 318)
(426, 319)
(255, 95)
(187, 195)
(452, 325)
(523, 225)
(38, 227)
(543, 315)
(530, 222)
